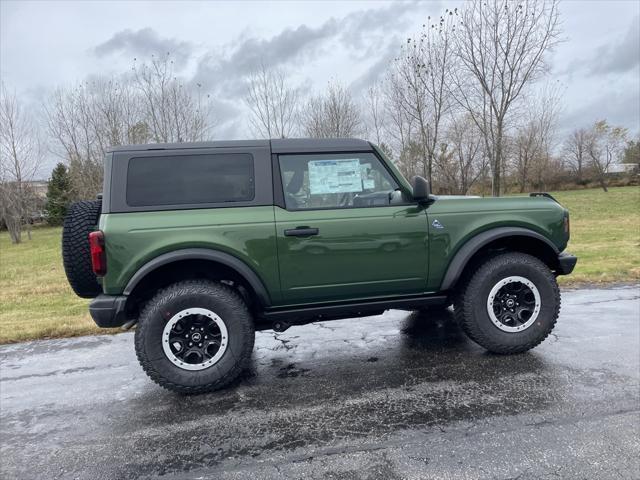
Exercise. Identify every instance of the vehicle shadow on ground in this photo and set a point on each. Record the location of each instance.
(354, 380)
(423, 359)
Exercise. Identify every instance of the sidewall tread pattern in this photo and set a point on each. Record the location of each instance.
(81, 219)
(221, 299)
(470, 309)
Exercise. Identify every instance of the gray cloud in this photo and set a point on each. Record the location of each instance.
(618, 107)
(380, 67)
(144, 43)
(599, 63)
(611, 58)
(226, 117)
(362, 33)
(620, 57)
(368, 30)
(225, 71)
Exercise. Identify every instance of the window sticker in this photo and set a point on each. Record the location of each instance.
(368, 184)
(335, 176)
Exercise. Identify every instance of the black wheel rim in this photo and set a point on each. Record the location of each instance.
(514, 304)
(195, 339)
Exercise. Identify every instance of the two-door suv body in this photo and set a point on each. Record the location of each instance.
(201, 244)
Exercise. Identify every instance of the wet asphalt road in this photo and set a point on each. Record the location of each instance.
(398, 395)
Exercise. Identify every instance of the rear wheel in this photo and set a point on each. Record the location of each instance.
(195, 336)
(510, 303)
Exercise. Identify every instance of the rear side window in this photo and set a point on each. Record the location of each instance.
(190, 179)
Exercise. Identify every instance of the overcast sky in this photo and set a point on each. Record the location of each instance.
(50, 43)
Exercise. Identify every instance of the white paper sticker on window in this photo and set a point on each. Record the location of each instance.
(335, 176)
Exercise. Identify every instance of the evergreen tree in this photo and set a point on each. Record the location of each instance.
(58, 193)
(632, 152)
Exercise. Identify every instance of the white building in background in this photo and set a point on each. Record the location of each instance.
(623, 168)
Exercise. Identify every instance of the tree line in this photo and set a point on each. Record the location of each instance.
(148, 104)
(468, 103)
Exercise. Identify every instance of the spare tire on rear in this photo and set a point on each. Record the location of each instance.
(81, 219)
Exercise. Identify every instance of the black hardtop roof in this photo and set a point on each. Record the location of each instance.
(294, 145)
(278, 145)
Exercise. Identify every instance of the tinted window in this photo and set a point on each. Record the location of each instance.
(349, 180)
(190, 179)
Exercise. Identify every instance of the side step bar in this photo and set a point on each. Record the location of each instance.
(280, 320)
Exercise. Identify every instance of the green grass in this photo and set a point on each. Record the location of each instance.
(35, 298)
(605, 234)
(37, 302)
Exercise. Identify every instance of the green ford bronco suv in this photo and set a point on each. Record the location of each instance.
(202, 244)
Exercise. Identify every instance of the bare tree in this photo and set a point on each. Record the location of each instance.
(171, 110)
(575, 152)
(605, 147)
(87, 119)
(462, 160)
(411, 159)
(501, 47)
(375, 112)
(81, 135)
(333, 114)
(20, 157)
(420, 79)
(527, 148)
(273, 104)
(411, 97)
(435, 58)
(149, 104)
(400, 127)
(535, 137)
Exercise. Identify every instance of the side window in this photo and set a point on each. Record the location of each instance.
(349, 180)
(190, 179)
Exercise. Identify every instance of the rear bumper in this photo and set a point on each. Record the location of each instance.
(108, 310)
(566, 263)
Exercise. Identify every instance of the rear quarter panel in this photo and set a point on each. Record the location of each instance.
(464, 218)
(133, 239)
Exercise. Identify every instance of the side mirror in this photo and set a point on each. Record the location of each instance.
(421, 189)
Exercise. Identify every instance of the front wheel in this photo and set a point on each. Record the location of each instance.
(194, 336)
(510, 304)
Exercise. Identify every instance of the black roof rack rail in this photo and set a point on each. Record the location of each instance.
(543, 194)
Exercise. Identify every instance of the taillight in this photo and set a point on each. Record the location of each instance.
(98, 254)
(567, 226)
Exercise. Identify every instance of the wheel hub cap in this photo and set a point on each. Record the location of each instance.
(514, 304)
(195, 339)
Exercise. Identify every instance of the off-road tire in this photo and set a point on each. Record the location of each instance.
(81, 219)
(227, 303)
(470, 303)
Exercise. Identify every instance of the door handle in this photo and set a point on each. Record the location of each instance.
(301, 232)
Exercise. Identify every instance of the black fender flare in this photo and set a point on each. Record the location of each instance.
(460, 259)
(226, 259)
